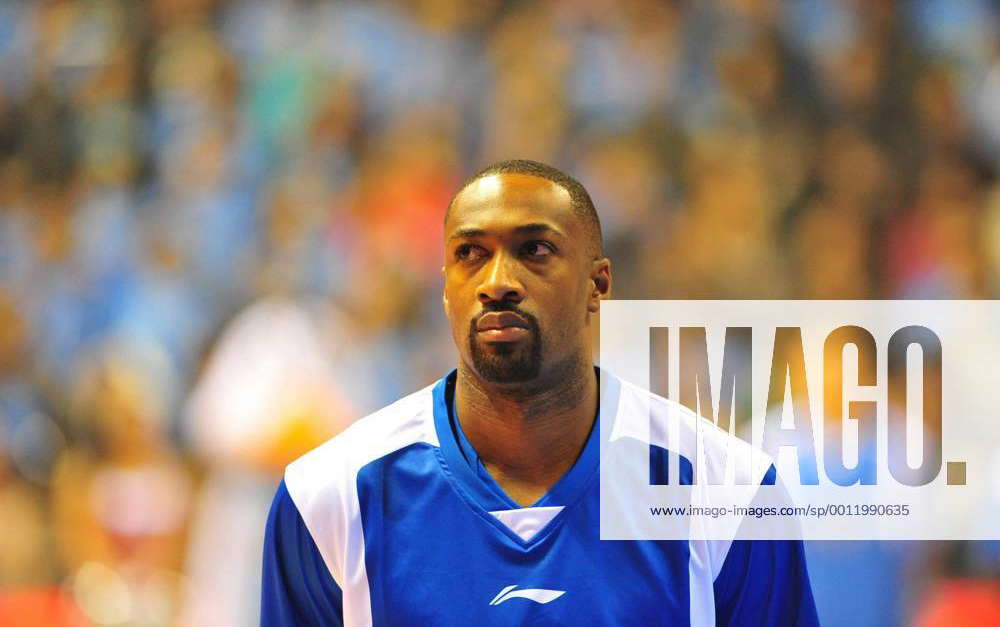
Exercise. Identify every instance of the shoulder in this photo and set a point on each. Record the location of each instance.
(322, 484)
(661, 422)
(404, 422)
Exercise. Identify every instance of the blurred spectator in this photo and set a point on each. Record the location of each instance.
(121, 505)
(268, 394)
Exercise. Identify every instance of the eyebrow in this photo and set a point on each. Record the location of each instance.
(521, 229)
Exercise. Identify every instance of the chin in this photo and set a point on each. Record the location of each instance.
(508, 367)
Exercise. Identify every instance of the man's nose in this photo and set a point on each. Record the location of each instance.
(500, 280)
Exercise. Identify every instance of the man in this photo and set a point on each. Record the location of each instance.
(475, 500)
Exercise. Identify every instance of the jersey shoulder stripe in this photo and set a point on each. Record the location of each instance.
(322, 485)
(669, 425)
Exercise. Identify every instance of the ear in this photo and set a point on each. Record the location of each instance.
(600, 281)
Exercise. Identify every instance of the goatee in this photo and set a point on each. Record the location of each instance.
(507, 363)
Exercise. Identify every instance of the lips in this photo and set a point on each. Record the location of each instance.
(500, 320)
(502, 326)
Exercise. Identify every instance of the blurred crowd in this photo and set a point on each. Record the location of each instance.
(201, 199)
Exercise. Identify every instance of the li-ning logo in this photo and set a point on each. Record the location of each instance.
(538, 595)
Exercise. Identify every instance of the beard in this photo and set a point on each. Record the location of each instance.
(513, 362)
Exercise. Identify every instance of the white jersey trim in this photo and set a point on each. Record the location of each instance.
(648, 417)
(323, 486)
(526, 522)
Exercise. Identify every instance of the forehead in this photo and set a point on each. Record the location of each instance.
(504, 201)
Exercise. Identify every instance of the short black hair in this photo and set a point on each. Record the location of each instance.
(582, 205)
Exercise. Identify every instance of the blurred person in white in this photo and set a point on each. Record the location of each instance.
(266, 394)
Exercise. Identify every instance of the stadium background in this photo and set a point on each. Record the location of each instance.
(220, 223)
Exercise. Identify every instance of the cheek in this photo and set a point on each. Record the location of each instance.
(569, 311)
(452, 300)
(458, 314)
(577, 303)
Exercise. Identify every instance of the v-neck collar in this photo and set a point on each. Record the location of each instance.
(464, 463)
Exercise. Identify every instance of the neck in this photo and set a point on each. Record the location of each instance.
(528, 436)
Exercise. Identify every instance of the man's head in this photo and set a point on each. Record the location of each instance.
(524, 271)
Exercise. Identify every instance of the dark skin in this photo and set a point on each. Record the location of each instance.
(514, 240)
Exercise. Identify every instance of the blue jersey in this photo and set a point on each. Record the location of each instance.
(396, 522)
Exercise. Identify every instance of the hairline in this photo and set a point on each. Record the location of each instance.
(583, 208)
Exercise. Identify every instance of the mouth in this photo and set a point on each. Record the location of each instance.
(502, 326)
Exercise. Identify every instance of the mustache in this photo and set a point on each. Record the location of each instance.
(505, 305)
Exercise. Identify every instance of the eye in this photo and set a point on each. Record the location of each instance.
(538, 249)
(469, 252)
